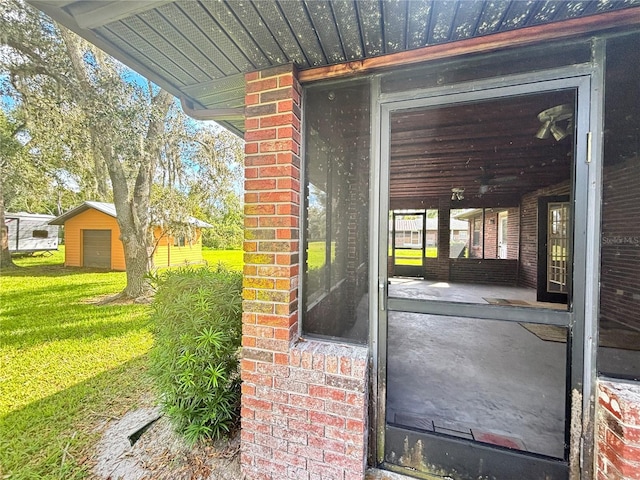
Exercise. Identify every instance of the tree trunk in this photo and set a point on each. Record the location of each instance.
(5, 255)
(138, 261)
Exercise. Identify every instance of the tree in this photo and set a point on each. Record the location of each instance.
(124, 121)
(98, 133)
(10, 149)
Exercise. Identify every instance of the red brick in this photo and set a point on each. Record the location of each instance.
(285, 80)
(276, 120)
(284, 272)
(327, 392)
(339, 433)
(354, 399)
(345, 366)
(305, 451)
(285, 105)
(258, 282)
(292, 386)
(276, 95)
(261, 184)
(286, 234)
(251, 197)
(248, 294)
(288, 209)
(290, 435)
(251, 123)
(272, 344)
(278, 171)
(257, 379)
(261, 85)
(290, 460)
(326, 444)
(325, 471)
(279, 197)
(256, 427)
(251, 76)
(307, 426)
(264, 134)
(344, 462)
(258, 160)
(278, 146)
(323, 418)
(251, 99)
(272, 296)
(259, 258)
(288, 183)
(288, 411)
(250, 148)
(281, 358)
(256, 403)
(283, 334)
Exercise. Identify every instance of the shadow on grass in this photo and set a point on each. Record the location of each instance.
(77, 326)
(67, 294)
(53, 438)
(50, 271)
(49, 303)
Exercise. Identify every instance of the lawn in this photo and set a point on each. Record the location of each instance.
(232, 259)
(67, 365)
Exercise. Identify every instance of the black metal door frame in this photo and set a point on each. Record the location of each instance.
(497, 462)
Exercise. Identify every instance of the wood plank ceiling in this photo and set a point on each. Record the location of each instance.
(487, 149)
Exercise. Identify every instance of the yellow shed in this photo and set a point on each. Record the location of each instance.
(92, 239)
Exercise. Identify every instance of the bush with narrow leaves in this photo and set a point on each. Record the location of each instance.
(197, 325)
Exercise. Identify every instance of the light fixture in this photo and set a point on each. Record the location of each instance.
(544, 130)
(457, 194)
(557, 132)
(550, 119)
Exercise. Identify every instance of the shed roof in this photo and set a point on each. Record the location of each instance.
(110, 209)
(200, 50)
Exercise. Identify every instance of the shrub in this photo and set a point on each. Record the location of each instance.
(197, 323)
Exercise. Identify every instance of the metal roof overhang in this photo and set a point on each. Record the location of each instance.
(200, 50)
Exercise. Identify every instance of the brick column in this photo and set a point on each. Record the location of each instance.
(618, 431)
(304, 403)
(444, 233)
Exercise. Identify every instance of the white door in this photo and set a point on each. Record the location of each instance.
(503, 222)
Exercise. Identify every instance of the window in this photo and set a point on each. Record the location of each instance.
(40, 234)
(477, 232)
(335, 276)
(619, 322)
(179, 241)
(458, 227)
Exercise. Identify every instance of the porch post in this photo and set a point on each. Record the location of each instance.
(304, 403)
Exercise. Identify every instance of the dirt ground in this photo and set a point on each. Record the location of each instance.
(159, 453)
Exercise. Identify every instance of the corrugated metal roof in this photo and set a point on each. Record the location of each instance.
(110, 209)
(200, 50)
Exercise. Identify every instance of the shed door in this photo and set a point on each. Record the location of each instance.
(96, 248)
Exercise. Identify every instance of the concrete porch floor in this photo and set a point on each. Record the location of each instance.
(486, 380)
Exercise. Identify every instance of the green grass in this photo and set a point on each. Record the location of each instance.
(67, 365)
(316, 254)
(233, 259)
(412, 257)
